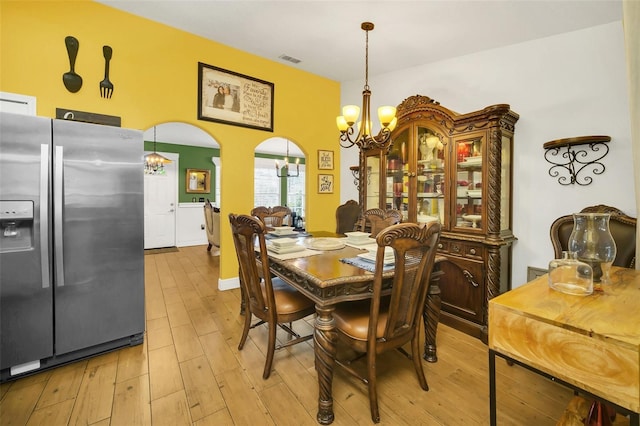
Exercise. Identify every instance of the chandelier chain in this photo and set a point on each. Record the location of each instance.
(366, 61)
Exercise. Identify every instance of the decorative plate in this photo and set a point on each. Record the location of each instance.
(324, 243)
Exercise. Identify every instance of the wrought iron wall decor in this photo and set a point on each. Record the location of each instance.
(574, 158)
(355, 171)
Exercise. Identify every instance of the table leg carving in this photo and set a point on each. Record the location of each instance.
(431, 316)
(324, 338)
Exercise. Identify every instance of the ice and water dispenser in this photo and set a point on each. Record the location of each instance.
(16, 225)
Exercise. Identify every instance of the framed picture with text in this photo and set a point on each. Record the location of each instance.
(325, 160)
(232, 98)
(325, 184)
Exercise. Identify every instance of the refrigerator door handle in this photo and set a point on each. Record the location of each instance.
(44, 209)
(57, 215)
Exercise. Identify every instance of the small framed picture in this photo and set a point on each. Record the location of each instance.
(325, 160)
(198, 181)
(325, 184)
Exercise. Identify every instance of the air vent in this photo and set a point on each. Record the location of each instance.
(290, 59)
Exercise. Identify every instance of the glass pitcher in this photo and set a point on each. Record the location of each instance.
(569, 275)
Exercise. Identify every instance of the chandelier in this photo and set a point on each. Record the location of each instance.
(350, 113)
(154, 162)
(287, 173)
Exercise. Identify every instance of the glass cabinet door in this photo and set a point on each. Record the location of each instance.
(398, 175)
(430, 172)
(469, 183)
(372, 182)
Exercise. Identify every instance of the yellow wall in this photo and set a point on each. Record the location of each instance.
(155, 75)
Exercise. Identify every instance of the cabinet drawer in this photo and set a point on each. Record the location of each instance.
(461, 248)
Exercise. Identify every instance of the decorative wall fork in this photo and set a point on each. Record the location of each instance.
(106, 87)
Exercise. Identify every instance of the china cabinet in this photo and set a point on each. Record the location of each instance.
(457, 169)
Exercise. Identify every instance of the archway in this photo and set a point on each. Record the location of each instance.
(174, 216)
(274, 184)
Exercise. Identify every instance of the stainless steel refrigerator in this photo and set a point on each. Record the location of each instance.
(71, 241)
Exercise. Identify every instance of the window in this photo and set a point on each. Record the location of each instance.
(295, 193)
(266, 183)
(269, 190)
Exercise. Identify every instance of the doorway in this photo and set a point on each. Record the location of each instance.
(171, 216)
(160, 200)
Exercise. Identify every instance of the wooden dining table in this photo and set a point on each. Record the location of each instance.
(326, 280)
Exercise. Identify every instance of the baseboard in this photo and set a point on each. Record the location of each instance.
(229, 283)
(190, 243)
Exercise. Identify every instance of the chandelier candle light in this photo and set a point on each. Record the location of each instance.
(154, 162)
(350, 113)
(286, 166)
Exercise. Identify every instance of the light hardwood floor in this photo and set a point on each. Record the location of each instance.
(190, 372)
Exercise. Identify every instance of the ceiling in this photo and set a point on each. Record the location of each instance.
(326, 36)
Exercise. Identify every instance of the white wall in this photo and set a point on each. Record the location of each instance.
(573, 84)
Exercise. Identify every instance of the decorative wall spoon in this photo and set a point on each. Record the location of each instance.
(71, 80)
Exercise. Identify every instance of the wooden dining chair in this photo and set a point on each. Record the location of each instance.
(375, 220)
(212, 224)
(621, 226)
(347, 216)
(384, 322)
(267, 298)
(284, 213)
(272, 216)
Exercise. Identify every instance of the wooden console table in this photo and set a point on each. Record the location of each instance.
(589, 343)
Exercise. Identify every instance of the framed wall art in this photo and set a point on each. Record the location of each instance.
(325, 184)
(198, 181)
(232, 98)
(325, 160)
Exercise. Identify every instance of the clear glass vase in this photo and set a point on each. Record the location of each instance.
(569, 275)
(593, 244)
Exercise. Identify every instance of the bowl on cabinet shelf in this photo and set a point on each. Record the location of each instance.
(425, 218)
(474, 193)
(473, 218)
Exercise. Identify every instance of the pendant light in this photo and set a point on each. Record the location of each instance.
(286, 173)
(347, 121)
(154, 162)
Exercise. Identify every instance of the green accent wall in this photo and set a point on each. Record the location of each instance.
(191, 157)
